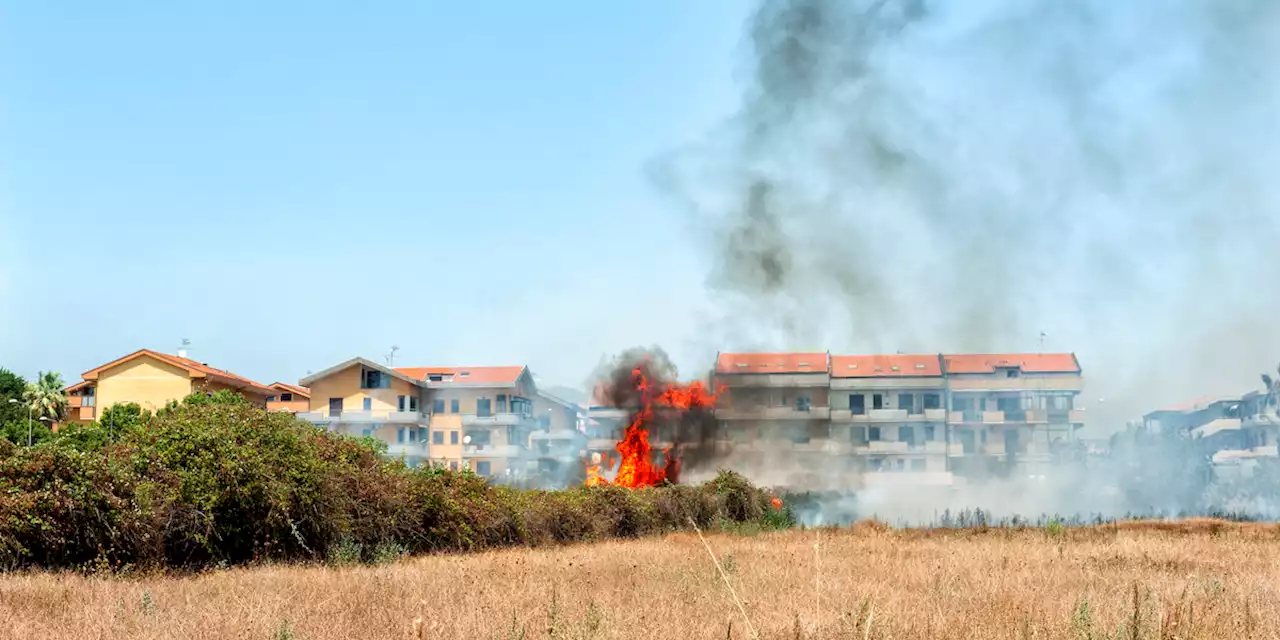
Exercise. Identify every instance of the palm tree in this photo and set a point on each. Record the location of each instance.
(46, 397)
(1271, 386)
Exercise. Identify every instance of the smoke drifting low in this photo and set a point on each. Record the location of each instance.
(922, 176)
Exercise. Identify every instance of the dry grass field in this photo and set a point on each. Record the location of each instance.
(1136, 580)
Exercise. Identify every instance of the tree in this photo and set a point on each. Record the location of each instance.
(46, 397)
(12, 387)
(1271, 386)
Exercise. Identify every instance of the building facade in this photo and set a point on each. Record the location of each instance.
(151, 380)
(289, 398)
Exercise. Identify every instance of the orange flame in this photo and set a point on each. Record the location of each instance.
(777, 503)
(637, 468)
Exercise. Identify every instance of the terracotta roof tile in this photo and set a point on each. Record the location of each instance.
(185, 363)
(467, 375)
(1028, 362)
(810, 362)
(885, 366)
(291, 388)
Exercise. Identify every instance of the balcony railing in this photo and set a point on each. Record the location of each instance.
(493, 420)
(365, 417)
(888, 415)
(493, 451)
(773, 413)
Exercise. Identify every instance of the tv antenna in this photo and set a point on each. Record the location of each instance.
(1042, 337)
(391, 357)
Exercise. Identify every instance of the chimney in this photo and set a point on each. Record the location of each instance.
(182, 351)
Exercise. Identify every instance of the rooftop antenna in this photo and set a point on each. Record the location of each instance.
(1042, 337)
(182, 350)
(391, 357)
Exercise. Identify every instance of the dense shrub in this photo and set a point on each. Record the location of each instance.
(212, 482)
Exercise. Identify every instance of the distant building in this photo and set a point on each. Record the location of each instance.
(1234, 431)
(289, 398)
(152, 380)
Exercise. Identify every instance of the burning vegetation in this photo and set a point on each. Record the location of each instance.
(660, 410)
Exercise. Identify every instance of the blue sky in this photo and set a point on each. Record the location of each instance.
(292, 184)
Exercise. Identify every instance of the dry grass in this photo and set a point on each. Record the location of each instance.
(1137, 580)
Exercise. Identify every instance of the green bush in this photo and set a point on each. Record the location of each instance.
(212, 481)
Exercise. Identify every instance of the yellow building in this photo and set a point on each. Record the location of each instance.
(479, 418)
(152, 380)
(289, 398)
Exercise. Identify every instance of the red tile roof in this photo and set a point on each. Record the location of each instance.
(885, 366)
(467, 375)
(1028, 362)
(291, 388)
(813, 362)
(185, 363)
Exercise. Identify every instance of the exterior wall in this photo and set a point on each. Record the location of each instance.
(146, 381)
(289, 406)
(345, 384)
(500, 435)
(448, 452)
(206, 385)
(1024, 382)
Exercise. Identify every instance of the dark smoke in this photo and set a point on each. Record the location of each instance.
(926, 176)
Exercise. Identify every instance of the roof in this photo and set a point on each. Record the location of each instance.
(77, 386)
(1196, 404)
(467, 376)
(1027, 362)
(810, 362)
(347, 364)
(1216, 426)
(560, 401)
(886, 366)
(289, 388)
(196, 369)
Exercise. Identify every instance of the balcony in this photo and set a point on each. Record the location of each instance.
(847, 415)
(935, 415)
(885, 446)
(407, 450)
(493, 420)
(887, 415)
(493, 451)
(992, 417)
(365, 417)
(774, 413)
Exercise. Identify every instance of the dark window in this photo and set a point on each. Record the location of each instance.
(453, 466)
(877, 401)
(900, 464)
(907, 435)
(286, 397)
(907, 401)
(453, 405)
(858, 404)
(399, 403)
(482, 468)
(422, 435)
(803, 403)
(917, 464)
(858, 435)
(1011, 441)
(521, 406)
(413, 403)
(375, 380)
(453, 437)
(1011, 373)
(484, 408)
(435, 377)
(400, 435)
(480, 437)
(269, 398)
(413, 435)
(932, 401)
(368, 404)
(335, 407)
(873, 434)
(437, 405)
(368, 433)
(502, 403)
(928, 433)
(437, 437)
(966, 441)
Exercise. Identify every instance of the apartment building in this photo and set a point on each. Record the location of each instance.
(481, 418)
(478, 418)
(289, 398)
(151, 380)
(862, 419)
(362, 398)
(560, 443)
(1235, 431)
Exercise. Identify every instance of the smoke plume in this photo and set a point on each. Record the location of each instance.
(923, 176)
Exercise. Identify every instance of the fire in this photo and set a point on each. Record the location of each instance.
(636, 467)
(777, 503)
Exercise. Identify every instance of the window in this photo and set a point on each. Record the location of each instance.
(335, 407)
(413, 435)
(858, 405)
(521, 406)
(435, 377)
(413, 403)
(480, 437)
(453, 405)
(400, 435)
(483, 407)
(269, 398)
(803, 403)
(907, 435)
(917, 464)
(873, 434)
(437, 437)
(368, 404)
(984, 436)
(372, 379)
(966, 441)
(422, 435)
(368, 433)
(437, 405)
(286, 397)
(901, 464)
(928, 432)
(932, 401)
(482, 468)
(453, 437)
(907, 401)
(399, 403)
(453, 466)
(877, 401)
(858, 435)
(502, 403)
